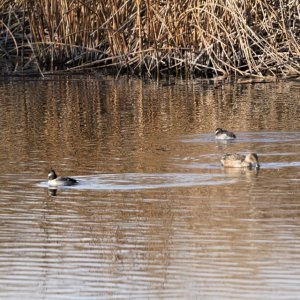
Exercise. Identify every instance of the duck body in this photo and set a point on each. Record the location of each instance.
(54, 180)
(222, 134)
(235, 160)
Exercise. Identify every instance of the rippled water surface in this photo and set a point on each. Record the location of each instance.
(154, 215)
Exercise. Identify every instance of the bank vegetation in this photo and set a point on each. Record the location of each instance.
(194, 38)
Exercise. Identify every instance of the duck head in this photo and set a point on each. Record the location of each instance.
(52, 175)
(252, 158)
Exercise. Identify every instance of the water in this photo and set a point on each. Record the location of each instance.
(154, 216)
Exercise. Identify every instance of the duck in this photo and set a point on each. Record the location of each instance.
(236, 160)
(222, 134)
(54, 180)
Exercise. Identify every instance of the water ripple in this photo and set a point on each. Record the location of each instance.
(246, 137)
(140, 181)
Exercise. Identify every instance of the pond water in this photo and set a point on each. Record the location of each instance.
(154, 215)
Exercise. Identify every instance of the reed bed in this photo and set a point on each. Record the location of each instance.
(199, 37)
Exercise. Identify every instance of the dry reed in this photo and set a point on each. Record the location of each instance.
(201, 37)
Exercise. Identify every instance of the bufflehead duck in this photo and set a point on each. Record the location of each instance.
(240, 161)
(222, 134)
(53, 180)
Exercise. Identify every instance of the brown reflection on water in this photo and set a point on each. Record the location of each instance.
(111, 116)
(215, 241)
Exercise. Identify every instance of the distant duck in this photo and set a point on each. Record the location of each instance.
(222, 134)
(240, 161)
(54, 180)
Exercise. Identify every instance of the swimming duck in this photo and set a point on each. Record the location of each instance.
(222, 134)
(54, 180)
(240, 161)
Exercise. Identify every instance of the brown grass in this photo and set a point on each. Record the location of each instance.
(212, 37)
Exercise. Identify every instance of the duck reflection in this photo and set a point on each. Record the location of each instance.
(52, 192)
(249, 173)
(222, 145)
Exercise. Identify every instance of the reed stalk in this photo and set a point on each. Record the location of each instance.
(201, 37)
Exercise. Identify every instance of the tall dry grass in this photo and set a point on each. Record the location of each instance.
(206, 37)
